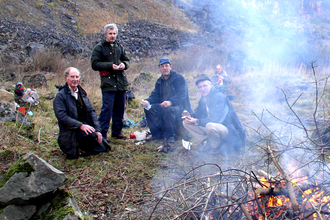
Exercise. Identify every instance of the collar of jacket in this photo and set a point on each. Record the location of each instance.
(171, 78)
(104, 42)
(80, 90)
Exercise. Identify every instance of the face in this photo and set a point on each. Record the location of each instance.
(73, 79)
(110, 36)
(204, 87)
(165, 69)
(219, 69)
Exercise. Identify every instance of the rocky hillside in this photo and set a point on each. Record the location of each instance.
(241, 36)
(145, 28)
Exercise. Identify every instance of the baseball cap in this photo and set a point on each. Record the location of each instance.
(164, 60)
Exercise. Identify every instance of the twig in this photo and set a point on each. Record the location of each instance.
(39, 135)
(207, 202)
(244, 210)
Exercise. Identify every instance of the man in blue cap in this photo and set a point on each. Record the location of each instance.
(166, 102)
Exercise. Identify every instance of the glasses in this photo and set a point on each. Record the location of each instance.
(165, 65)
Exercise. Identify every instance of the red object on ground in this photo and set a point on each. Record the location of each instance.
(132, 135)
(21, 109)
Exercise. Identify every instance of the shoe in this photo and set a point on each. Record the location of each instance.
(154, 138)
(69, 157)
(165, 149)
(205, 145)
(106, 145)
(170, 140)
(118, 136)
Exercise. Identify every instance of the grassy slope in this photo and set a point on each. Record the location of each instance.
(118, 184)
(92, 15)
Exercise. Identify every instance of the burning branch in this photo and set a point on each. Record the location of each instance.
(292, 195)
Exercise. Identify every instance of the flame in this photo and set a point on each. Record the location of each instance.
(310, 198)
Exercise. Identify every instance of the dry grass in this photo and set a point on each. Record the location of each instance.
(91, 16)
(122, 178)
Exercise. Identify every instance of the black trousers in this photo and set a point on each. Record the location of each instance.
(88, 143)
(162, 121)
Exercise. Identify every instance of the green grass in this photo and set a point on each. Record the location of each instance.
(126, 177)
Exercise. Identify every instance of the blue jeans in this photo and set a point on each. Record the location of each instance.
(113, 106)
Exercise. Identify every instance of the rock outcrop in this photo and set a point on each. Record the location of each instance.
(30, 189)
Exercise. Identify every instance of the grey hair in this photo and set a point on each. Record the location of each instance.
(110, 27)
(67, 71)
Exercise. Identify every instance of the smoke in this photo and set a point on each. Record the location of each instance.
(267, 43)
(264, 32)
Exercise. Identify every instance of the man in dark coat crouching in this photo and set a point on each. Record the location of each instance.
(214, 120)
(79, 128)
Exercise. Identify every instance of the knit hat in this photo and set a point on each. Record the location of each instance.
(202, 78)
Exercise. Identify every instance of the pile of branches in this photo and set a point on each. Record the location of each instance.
(242, 194)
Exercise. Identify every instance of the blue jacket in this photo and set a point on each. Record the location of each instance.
(179, 88)
(65, 109)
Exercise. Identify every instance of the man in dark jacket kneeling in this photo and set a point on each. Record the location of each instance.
(79, 128)
(214, 120)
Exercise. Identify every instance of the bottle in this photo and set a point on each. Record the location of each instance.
(140, 135)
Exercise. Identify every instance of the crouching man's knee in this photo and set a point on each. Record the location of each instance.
(215, 129)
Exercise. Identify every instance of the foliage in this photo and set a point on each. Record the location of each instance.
(19, 167)
(48, 61)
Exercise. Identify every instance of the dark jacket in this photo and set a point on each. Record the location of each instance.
(67, 115)
(221, 111)
(179, 88)
(103, 56)
(224, 86)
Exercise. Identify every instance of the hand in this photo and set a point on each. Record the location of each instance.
(99, 137)
(121, 66)
(185, 114)
(87, 129)
(144, 103)
(166, 104)
(190, 120)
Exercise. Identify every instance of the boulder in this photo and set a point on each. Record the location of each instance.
(29, 191)
(6, 96)
(33, 48)
(14, 212)
(33, 178)
(35, 81)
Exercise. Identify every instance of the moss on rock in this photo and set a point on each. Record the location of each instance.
(59, 207)
(18, 167)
